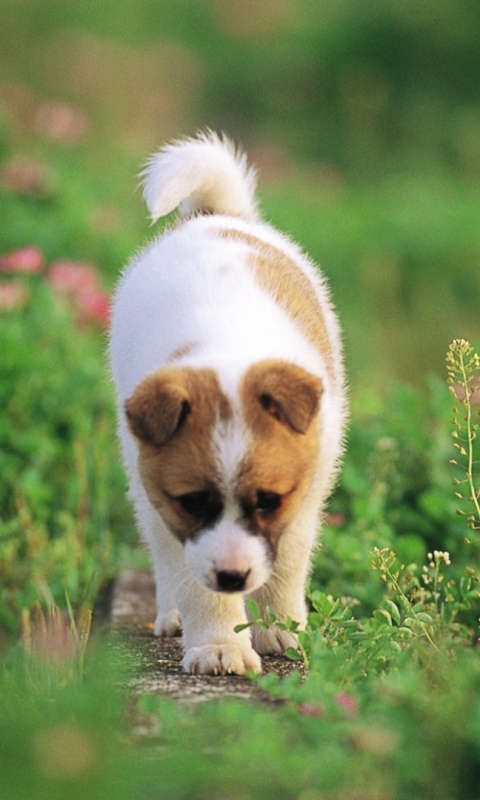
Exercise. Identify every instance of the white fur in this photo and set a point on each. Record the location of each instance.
(193, 286)
(199, 174)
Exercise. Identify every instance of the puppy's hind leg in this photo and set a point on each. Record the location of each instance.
(167, 621)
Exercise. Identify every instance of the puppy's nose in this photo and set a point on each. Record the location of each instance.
(233, 581)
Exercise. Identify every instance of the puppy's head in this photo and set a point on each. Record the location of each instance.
(227, 479)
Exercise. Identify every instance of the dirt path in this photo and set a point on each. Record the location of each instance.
(157, 663)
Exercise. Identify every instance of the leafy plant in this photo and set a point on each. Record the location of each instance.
(56, 459)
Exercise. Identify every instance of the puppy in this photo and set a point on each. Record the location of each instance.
(226, 357)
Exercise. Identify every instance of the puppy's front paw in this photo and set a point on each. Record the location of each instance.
(168, 624)
(273, 640)
(221, 659)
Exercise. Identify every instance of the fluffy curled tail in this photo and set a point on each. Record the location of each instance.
(205, 173)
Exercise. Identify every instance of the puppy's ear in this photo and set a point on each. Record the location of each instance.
(158, 407)
(286, 392)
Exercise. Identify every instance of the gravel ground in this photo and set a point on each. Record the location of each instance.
(157, 663)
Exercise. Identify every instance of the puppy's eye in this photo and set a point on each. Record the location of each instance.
(194, 503)
(268, 502)
(203, 506)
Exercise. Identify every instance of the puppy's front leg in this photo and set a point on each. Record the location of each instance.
(211, 645)
(284, 600)
(207, 617)
(284, 592)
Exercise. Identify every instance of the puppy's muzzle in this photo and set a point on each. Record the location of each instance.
(229, 560)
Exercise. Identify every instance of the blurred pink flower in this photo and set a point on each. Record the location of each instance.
(93, 306)
(25, 177)
(61, 122)
(27, 259)
(72, 277)
(310, 710)
(348, 703)
(12, 295)
(79, 282)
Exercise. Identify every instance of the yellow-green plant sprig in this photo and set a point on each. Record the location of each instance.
(463, 367)
(383, 560)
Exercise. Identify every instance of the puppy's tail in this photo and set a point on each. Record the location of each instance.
(201, 174)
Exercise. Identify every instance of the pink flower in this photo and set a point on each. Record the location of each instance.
(310, 710)
(93, 305)
(27, 259)
(348, 703)
(12, 295)
(25, 177)
(72, 277)
(79, 282)
(61, 122)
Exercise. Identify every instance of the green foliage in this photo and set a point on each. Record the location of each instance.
(58, 477)
(394, 492)
(59, 734)
(418, 616)
(358, 86)
(401, 734)
(401, 257)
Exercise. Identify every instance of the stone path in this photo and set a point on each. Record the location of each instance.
(157, 663)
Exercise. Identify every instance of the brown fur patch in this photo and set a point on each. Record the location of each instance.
(184, 461)
(287, 392)
(277, 273)
(281, 459)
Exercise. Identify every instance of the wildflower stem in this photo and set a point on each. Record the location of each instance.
(385, 569)
(470, 430)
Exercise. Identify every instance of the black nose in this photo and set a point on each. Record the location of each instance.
(233, 581)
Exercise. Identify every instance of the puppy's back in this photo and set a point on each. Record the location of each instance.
(221, 285)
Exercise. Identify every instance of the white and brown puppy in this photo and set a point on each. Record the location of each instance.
(227, 362)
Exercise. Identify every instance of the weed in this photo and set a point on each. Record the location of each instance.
(463, 366)
(55, 644)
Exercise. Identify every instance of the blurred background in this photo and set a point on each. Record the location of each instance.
(363, 119)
